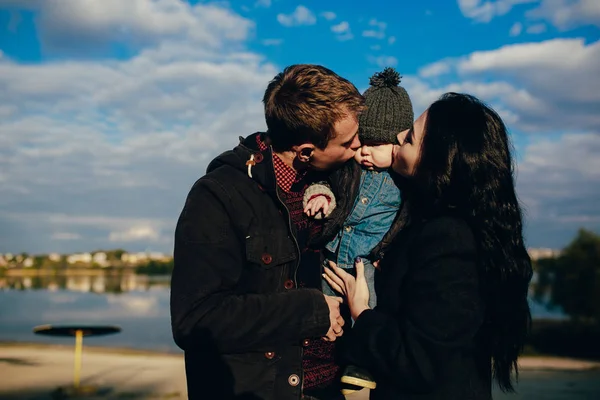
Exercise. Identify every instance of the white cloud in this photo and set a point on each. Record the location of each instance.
(135, 234)
(558, 175)
(546, 89)
(328, 15)
(564, 14)
(101, 146)
(342, 27)
(342, 31)
(383, 61)
(486, 10)
(391, 40)
(567, 14)
(435, 69)
(272, 42)
(345, 37)
(65, 236)
(20, 4)
(373, 34)
(550, 85)
(135, 23)
(536, 29)
(571, 153)
(263, 3)
(300, 16)
(378, 24)
(377, 31)
(558, 181)
(376, 47)
(516, 29)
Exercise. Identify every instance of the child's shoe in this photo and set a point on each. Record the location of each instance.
(358, 377)
(349, 389)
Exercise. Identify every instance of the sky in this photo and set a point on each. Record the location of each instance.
(110, 110)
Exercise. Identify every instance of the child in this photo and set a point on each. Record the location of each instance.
(368, 199)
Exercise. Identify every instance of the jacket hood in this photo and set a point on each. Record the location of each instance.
(248, 158)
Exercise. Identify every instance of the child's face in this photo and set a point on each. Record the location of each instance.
(374, 155)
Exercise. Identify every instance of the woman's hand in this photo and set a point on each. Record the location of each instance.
(355, 290)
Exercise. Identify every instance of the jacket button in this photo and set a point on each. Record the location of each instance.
(270, 355)
(364, 200)
(305, 342)
(293, 380)
(348, 228)
(258, 157)
(266, 258)
(289, 284)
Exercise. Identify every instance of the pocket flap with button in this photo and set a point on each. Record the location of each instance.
(270, 250)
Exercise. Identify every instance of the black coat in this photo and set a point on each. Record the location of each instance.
(235, 310)
(424, 340)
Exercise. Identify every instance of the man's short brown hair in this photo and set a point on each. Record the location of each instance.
(303, 103)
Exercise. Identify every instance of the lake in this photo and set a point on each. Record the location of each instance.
(139, 304)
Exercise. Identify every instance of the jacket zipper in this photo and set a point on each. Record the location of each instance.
(290, 228)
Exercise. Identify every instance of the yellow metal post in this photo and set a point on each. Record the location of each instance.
(78, 350)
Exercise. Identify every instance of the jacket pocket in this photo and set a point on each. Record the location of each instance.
(253, 373)
(271, 249)
(389, 194)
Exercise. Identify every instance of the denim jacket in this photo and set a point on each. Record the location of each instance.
(373, 213)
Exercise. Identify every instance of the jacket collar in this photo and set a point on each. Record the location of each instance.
(257, 164)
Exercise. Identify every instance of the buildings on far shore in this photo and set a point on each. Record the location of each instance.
(119, 258)
(538, 253)
(97, 259)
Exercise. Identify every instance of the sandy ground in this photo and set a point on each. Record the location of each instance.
(35, 371)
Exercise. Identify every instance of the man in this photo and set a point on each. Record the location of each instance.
(246, 304)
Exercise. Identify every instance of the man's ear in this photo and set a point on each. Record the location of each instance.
(304, 152)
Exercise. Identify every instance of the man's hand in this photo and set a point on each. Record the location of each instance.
(317, 205)
(335, 319)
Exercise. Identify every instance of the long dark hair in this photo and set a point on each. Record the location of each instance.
(466, 168)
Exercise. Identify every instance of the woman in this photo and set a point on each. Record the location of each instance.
(452, 310)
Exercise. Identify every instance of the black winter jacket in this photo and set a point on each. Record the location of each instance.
(425, 339)
(235, 308)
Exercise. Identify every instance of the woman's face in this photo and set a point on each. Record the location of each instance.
(406, 153)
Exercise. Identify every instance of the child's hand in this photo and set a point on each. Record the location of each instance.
(317, 205)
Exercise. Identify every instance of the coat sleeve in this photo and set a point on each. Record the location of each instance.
(321, 188)
(209, 257)
(440, 315)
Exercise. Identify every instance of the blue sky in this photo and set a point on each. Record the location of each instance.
(109, 110)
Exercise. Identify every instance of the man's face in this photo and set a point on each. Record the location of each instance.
(340, 148)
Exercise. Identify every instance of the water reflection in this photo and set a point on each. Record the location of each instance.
(98, 283)
(138, 304)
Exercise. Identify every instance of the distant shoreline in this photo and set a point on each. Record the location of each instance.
(21, 272)
(70, 271)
